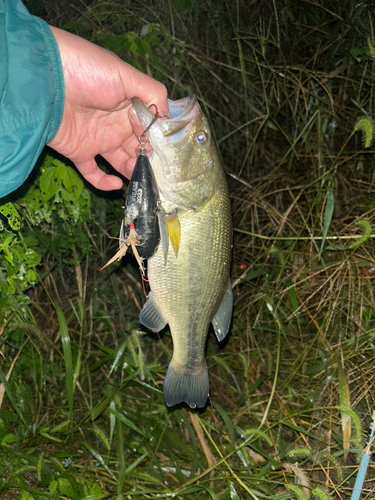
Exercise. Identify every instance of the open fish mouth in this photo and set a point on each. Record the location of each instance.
(181, 114)
(183, 107)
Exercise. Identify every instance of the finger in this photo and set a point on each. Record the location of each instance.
(137, 127)
(99, 179)
(150, 91)
(129, 167)
(118, 161)
(121, 162)
(159, 98)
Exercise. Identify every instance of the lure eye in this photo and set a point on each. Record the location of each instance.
(201, 138)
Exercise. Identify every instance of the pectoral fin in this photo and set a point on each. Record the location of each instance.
(221, 320)
(150, 315)
(174, 230)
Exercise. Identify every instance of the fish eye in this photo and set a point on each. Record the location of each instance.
(201, 138)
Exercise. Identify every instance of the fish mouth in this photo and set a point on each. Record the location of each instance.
(183, 108)
(169, 137)
(181, 113)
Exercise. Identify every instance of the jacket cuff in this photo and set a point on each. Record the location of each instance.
(58, 80)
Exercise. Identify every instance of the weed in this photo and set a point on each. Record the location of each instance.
(288, 89)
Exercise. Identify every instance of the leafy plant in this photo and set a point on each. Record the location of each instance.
(57, 190)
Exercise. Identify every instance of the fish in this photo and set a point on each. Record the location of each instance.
(189, 272)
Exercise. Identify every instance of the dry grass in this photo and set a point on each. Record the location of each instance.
(292, 390)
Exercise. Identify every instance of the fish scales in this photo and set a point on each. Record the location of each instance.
(188, 287)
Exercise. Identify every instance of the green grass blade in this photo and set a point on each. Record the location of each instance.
(328, 212)
(212, 493)
(8, 391)
(126, 421)
(100, 460)
(344, 398)
(120, 457)
(68, 359)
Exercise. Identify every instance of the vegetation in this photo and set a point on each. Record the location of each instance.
(288, 87)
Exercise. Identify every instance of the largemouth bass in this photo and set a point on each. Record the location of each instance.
(189, 272)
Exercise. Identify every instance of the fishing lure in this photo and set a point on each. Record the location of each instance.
(142, 201)
(140, 226)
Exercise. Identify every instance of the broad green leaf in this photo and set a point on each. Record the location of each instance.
(66, 488)
(71, 180)
(12, 215)
(53, 487)
(49, 183)
(9, 439)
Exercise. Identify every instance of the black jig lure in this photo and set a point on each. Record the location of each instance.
(141, 208)
(140, 226)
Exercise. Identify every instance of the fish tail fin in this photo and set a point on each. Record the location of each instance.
(183, 385)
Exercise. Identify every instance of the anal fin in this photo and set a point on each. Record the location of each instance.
(150, 315)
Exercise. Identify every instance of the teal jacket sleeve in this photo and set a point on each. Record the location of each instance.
(31, 92)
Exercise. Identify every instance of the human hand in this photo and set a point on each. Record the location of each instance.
(98, 92)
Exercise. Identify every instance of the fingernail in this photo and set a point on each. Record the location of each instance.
(133, 116)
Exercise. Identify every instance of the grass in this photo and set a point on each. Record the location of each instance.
(285, 85)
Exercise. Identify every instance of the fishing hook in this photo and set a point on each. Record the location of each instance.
(143, 137)
(156, 116)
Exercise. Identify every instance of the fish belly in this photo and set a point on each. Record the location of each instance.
(188, 290)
